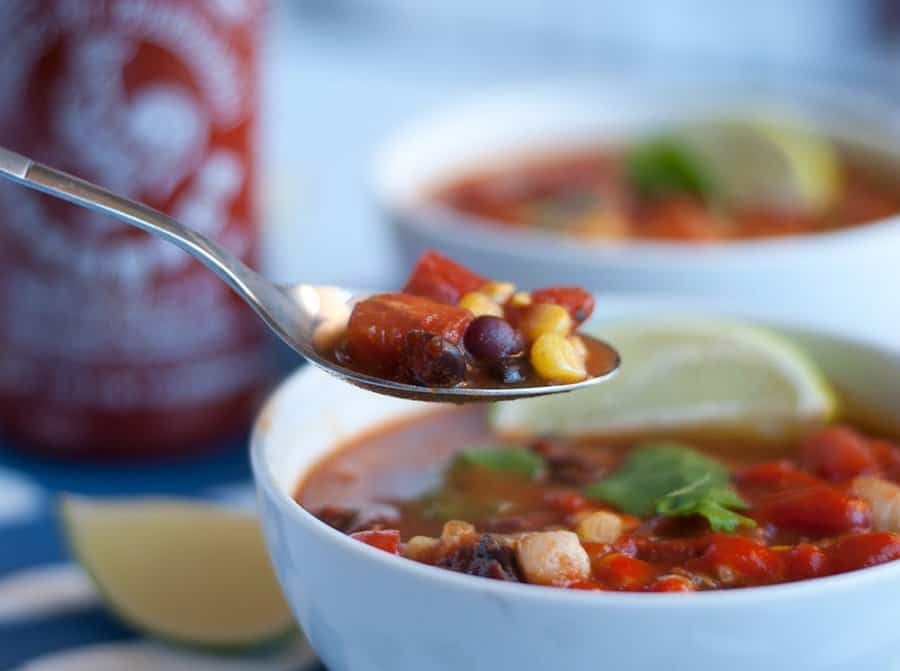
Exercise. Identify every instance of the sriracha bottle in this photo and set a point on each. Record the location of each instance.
(113, 343)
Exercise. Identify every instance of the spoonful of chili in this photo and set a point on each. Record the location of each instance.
(449, 335)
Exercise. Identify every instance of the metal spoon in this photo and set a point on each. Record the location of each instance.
(299, 314)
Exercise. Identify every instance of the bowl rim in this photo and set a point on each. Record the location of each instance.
(268, 486)
(446, 222)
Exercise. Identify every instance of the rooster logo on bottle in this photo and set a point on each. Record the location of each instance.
(149, 139)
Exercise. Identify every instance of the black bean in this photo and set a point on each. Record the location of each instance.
(432, 360)
(486, 557)
(491, 339)
(509, 371)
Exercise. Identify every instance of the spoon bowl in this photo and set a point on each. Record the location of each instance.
(303, 315)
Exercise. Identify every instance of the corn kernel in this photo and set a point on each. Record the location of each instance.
(456, 532)
(599, 527)
(499, 292)
(555, 359)
(544, 318)
(578, 344)
(520, 299)
(420, 547)
(479, 304)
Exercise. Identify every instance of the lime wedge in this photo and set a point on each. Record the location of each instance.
(184, 571)
(767, 161)
(685, 375)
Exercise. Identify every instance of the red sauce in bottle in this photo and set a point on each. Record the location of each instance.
(113, 343)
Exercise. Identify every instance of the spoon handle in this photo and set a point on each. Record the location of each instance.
(250, 285)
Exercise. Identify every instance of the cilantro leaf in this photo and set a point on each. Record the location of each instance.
(663, 166)
(673, 479)
(511, 459)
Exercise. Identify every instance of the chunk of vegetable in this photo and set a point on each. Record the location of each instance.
(884, 497)
(600, 527)
(578, 302)
(378, 326)
(673, 479)
(838, 453)
(441, 279)
(383, 539)
(479, 304)
(552, 558)
(821, 510)
(541, 318)
(857, 551)
(499, 292)
(556, 359)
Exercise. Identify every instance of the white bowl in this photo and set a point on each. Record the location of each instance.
(843, 278)
(363, 609)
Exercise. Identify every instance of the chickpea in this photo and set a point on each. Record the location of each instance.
(600, 527)
(552, 558)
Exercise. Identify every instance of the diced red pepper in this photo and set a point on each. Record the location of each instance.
(820, 510)
(377, 328)
(774, 476)
(441, 279)
(577, 301)
(383, 539)
(671, 583)
(735, 560)
(857, 551)
(805, 561)
(622, 572)
(838, 453)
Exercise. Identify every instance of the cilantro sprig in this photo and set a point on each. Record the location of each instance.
(673, 479)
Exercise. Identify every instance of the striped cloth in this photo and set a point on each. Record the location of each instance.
(50, 616)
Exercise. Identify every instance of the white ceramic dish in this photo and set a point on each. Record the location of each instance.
(843, 278)
(365, 610)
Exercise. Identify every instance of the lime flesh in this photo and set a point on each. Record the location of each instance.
(180, 570)
(685, 375)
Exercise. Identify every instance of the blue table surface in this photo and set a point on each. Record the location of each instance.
(32, 539)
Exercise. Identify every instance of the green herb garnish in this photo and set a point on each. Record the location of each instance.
(673, 479)
(511, 459)
(461, 497)
(664, 166)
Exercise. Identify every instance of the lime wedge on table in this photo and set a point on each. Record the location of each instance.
(181, 570)
(685, 375)
(766, 161)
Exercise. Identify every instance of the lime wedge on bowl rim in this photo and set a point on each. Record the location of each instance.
(685, 375)
(766, 160)
(181, 570)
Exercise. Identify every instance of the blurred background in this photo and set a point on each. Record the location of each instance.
(168, 411)
(344, 74)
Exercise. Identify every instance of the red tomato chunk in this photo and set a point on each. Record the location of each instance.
(441, 279)
(838, 453)
(383, 539)
(378, 326)
(578, 302)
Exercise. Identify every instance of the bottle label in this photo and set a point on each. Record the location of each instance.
(153, 99)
